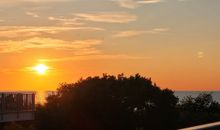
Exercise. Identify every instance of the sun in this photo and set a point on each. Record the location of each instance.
(41, 69)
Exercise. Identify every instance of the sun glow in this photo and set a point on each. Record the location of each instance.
(41, 69)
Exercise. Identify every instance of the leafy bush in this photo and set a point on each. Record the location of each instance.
(198, 110)
(109, 103)
(16, 126)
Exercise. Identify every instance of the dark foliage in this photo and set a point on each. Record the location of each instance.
(109, 103)
(199, 110)
(25, 125)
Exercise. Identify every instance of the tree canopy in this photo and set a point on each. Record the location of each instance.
(198, 110)
(109, 103)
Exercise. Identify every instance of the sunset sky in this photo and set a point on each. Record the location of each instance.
(175, 42)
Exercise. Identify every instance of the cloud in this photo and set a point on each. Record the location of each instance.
(78, 46)
(131, 4)
(132, 33)
(30, 31)
(32, 14)
(38, 1)
(129, 33)
(148, 1)
(95, 57)
(155, 30)
(200, 54)
(66, 21)
(12, 3)
(104, 17)
(107, 17)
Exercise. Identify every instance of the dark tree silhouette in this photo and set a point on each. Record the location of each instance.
(109, 103)
(199, 110)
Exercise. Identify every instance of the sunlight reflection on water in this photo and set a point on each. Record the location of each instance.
(42, 95)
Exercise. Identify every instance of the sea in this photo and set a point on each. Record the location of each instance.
(182, 94)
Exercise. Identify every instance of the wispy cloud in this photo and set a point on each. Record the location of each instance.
(81, 46)
(36, 1)
(32, 14)
(104, 17)
(66, 21)
(95, 57)
(12, 3)
(132, 33)
(107, 17)
(134, 3)
(131, 4)
(148, 1)
(129, 33)
(200, 54)
(30, 31)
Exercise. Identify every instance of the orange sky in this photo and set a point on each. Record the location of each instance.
(174, 42)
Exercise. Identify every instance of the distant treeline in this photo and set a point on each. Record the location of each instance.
(120, 103)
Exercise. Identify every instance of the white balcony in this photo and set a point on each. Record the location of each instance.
(17, 106)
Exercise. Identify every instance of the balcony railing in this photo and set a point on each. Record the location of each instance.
(17, 106)
(211, 126)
